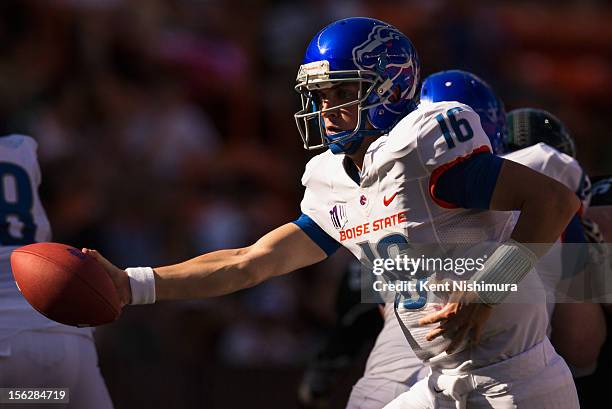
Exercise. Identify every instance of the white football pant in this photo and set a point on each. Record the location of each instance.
(47, 359)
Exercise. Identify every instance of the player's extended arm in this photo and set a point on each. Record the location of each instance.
(281, 251)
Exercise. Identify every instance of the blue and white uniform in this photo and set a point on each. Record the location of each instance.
(35, 351)
(393, 202)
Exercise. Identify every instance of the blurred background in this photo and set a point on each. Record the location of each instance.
(166, 129)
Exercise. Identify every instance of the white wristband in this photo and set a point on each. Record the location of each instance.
(508, 264)
(142, 283)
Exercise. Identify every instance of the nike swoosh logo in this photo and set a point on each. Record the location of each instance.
(386, 201)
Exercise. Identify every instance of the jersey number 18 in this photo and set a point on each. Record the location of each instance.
(16, 201)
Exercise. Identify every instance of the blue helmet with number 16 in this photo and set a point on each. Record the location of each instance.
(371, 53)
(467, 88)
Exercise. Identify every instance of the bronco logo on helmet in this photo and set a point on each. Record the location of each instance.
(374, 54)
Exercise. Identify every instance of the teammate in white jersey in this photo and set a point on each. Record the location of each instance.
(36, 352)
(396, 174)
(578, 329)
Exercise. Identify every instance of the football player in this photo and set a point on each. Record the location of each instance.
(541, 141)
(36, 352)
(578, 328)
(395, 174)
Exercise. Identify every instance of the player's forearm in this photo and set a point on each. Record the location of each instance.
(284, 249)
(209, 275)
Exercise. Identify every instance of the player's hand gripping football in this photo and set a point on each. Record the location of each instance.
(119, 276)
(462, 316)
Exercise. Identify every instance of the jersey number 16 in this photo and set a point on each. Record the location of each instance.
(461, 128)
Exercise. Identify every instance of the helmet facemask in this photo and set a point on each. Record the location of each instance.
(316, 76)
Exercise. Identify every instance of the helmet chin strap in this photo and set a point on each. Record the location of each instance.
(353, 144)
(348, 147)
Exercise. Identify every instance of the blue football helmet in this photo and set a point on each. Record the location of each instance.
(467, 88)
(367, 51)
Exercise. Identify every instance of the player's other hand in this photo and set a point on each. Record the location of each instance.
(119, 276)
(462, 316)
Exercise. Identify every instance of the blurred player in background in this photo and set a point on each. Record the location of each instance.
(357, 325)
(600, 208)
(592, 389)
(578, 329)
(411, 172)
(36, 352)
(541, 141)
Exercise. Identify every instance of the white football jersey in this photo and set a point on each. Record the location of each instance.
(394, 206)
(564, 169)
(22, 221)
(552, 163)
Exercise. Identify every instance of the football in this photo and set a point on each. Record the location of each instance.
(65, 285)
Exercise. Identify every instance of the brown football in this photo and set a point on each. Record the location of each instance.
(65, 285)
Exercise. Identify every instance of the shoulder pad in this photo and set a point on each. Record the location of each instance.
(449, 132)
(314, 166)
